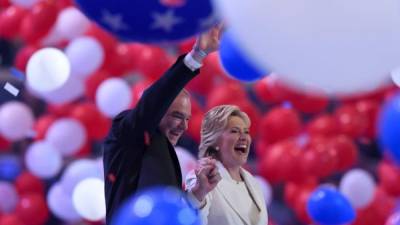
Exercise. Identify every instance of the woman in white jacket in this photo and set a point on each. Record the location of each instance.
(224, 192)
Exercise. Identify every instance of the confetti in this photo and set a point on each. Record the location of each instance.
(146, 138)
(17, 74)
(11, 89)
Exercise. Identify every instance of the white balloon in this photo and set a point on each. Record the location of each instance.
(340, 47)
(24, 3)
(67, 135)
(86, 56)
(395, 74)
(43, 160)
(113, 96)
(89, 200)
(48, 69)
(266, 189)
(71, 23)
(187, 161)
(9, 197)
(60, 204)
(358, 186)
(16, 120)
(78, 171)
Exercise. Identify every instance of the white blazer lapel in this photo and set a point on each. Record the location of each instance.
(257, 197)
(226, 189)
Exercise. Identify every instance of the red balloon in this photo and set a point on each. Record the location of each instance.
(10, 219)
(39, 21)
(351, 122)
(270, 90)
(261, 148)
(4, 3)
(5, 145)
(62, 4)
(96, 124)
(93, 82)
(281, 162)
(122, 59)
(253, 113)
(292, 190)
(137, 90)
(84, 151)
(324, 124)
(195, 127)
(279, 124)
(370, 108)
(152, 62)
(42, 124)
(223, 94)
(308, 102)
(378, 211)
(345, 150)
(389, 176)
(27, 183)
(32, 209)
(23, 56)
(60, 110)
(186, 45)
(300, 206)
(210, 72)
(318, 159)
(107, 41)
(10, 21)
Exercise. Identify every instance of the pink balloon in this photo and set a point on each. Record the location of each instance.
(394, 219)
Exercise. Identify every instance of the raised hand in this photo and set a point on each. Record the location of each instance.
(207, 177)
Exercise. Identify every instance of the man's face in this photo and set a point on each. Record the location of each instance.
(175, 121)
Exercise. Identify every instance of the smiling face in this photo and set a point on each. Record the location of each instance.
(234, 142)
(175, 121)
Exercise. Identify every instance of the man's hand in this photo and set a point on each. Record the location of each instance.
(207, 177)
(209, 41)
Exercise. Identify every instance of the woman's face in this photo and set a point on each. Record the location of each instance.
(234, 143)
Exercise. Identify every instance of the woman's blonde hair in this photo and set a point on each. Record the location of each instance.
(214, 123)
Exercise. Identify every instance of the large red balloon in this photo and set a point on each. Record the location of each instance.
(377, 212)
(137, 90)
(324, 124)
(370, 108)
(195, 127)
(280, 123)
(96, 124)
(270, 90)
(5, 145)
(345, 150)
(27, 183)
(351, 122)
(152, 62)
(60, 110)
(389, 177)
(10, 21)
(300, 206)
(23, 55)
(32, 209)
(93, 82)
(318, 159)
(307, 102)
(228, 93)
(10, 219)
(4, 3)
(281, 162)
(39, 21)
(42, 124)
(253, 113)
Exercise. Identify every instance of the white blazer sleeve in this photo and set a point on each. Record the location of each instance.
(204, 207)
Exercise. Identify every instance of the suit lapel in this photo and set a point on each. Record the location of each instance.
(250, 187)
(227, 190)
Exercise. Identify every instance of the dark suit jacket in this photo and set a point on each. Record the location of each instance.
(130, 164)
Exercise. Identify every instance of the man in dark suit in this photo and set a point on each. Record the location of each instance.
(138, 151)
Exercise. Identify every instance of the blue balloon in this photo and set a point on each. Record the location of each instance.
(235, 63)
(157, 206)
(150, 21)
(10, 167)
(389, 128)
(327, 206)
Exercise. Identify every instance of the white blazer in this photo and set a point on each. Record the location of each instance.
(221, 206)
